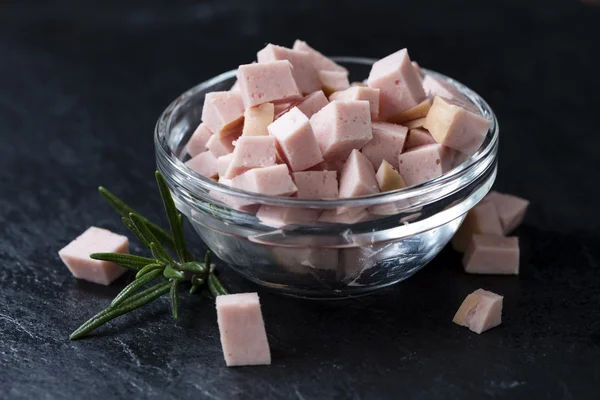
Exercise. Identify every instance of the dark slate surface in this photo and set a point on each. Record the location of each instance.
(81, 86)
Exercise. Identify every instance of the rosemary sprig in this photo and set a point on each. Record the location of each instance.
(162, 265)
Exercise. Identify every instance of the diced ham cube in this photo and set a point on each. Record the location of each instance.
(320, 62)
(76, 255)
(342, 126)
(332, 216)
(418, 137)
(221, 146)
(387, 144)
(256, 120)
(480, 311)
(223, 112)
(360, 93)
(274, 181)
(424, 163)
(399, 83)
(316, 184)
(388, 178)
(197, 143)
(415, 123)
(303, 69)
(242, 330)
(267, 82)
(282, 108)
(456, 127)
(483, 218)
(357, 177)
(313, 103)
(296, 141)
(418, 70)
(331, 165)
(492, 254)
(280, 216)
(205, 164)
(416, 112)
(222, 165)
(251, 152)
(511, 210)
(333, 81)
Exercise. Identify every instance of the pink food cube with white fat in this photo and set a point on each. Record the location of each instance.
(342, 126)
(360, 93)
(483, 218)
(303, 69)
(242, 330)
(221, 146)
(313, 103)
(332, 216)
(223, 163)
(267, 82)
(316, 184)
(511, 210)
(256, 119)
(198, 141)
(399, 83)
(280, 216)
(492, 255)
(333, 81)
(204, 163)
(419, 111)
(418, 137)
(424, 163)
(274, 181)
(480, 311)
(251, 152)
(455, 127)
(357, 177)
(320, 62)
(223, 112)
(387, 144)
(76, 255)
(296, 141)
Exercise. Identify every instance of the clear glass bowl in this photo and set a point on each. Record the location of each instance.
(404, 230)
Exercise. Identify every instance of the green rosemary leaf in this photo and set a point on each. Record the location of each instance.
(133, 228)
(171, 273)
(194, 267)
(134, 302)
(215, 286)
(160, 254)
(175, 222)
(135, 285)
(196, 283)
(174, 296)
(150, 238)
(125, 260)
(148, 268)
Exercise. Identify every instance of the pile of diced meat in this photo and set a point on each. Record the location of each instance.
(293, 125)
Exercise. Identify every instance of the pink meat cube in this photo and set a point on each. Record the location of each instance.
(274, 181)
(436, 87)
(418, 70)
(251, 152)
(415, 123)
(313, 103)
(222, 165)
(511, 210)
(399, 83)
(221, 146)
(358, 177)
(282, 108)
(242, 329)
(388, 178)
(387, 144)
(256, 120)
(303, 69)
(455, 127)
(332, 216)
(205, 164)
(76, 255)
(360, 93)
(424, 163)
(331, 165)
(223, 112)
(300, 260)
(492, 254)
(416, 112)
(333, 81)
(342, 126)
(483, 218)
(267, 82)
(418, 137)
(320, 62)
(197, 143)
(480, 311)
(296, 141)
(316, 184)
(280, 216)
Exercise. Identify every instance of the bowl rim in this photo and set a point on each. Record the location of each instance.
(186, 178)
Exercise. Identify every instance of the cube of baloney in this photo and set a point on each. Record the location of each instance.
(399, 83)
(333, 81)
(267, 82)
(342, 126)
(280, 216)
(296, 141)
(387, 144)
(76, 255)
(388, 178)
(251, 152)
(511, 210)
(329, 165)
(197, 143)
(242, 330)
(455, 127)
(416, 112)
(480, 311)
(274, 181)
(256, 120)
(424, 163)
(205, 164)
(492, 255)
(221, 146)
(223, 112)
(357, 177)
(360, 93)
(316, 184)
(303, 69)
(222, 164)
(483, 218)
(313, 103)
(321, 62)
(418, 137)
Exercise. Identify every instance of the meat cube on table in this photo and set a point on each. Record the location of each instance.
(198, 141)
(274, 181)
(492, 255)
(333, 81)
(416, 112)
(223, 112)
(256, 120)
(316, 184)
(320, 62)
(511, 210)
(418, 137)
(388, 178)
(424, 163)
(483, 218)
(251, 152)
(205, 164)
(303, 69)
(361, 93)
(267, 82)
(480, 311)
(313, 103)
(387, 144)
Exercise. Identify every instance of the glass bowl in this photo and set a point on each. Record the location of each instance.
(393, 235)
